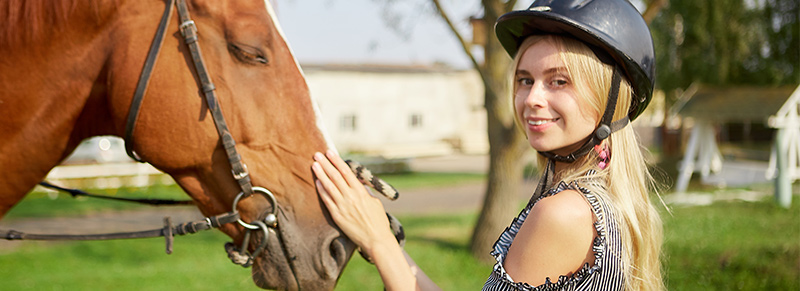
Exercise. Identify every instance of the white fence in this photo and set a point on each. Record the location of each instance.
(110, 175)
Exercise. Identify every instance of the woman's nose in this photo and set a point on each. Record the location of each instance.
(535, 96)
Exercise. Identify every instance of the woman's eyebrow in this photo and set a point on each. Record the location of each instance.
(549, 71)
(556, 70)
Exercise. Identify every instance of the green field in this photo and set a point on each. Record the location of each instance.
(723, 246)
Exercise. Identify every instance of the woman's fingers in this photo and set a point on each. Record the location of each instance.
(328, 201)
(340, 175)
(331, 171)
(325, 183)
(343, 168)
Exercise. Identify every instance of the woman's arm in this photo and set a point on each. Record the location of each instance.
(362, 218)
(423, 282)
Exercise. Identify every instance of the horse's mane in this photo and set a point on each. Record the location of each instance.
(25, 21)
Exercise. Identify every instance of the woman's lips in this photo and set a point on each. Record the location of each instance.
(540, 124)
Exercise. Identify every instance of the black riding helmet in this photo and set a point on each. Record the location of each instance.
(612, 27)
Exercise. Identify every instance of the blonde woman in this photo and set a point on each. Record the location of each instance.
(582, 71)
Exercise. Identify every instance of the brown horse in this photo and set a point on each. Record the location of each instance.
(68, 70)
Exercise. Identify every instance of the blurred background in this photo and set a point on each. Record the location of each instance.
(403, 87)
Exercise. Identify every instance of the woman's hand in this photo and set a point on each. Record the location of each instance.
(362, 218)
(357, 213)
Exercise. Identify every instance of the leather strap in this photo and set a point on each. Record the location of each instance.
(155, 202)
(167, 231)
(189, 32)
(603, 130)
(144, 81)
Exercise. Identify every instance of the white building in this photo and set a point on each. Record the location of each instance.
(400, 111)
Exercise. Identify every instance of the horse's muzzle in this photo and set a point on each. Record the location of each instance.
(292, 261)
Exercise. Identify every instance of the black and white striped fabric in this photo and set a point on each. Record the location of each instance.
(605, 274)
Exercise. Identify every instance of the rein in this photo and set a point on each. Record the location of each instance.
(155, 202)
(168, 231)
(236, 254)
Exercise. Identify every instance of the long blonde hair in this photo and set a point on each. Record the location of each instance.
(625, 184)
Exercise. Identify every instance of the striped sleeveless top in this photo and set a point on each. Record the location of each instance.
(605, 274)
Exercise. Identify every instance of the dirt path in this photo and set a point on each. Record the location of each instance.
(453, 199)
(460, 198)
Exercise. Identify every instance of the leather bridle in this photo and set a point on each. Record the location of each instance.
(189, 32)
(239, 255)
(238, 168)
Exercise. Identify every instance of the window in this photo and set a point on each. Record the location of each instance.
(348, 122)
(415, 121)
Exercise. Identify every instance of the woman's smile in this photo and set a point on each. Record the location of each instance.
(540, 125)
(547, 100)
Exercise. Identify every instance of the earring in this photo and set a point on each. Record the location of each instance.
(604, 154)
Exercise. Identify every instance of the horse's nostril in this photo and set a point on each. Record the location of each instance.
(338, 251)
(339, 255)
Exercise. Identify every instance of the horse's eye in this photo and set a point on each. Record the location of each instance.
(248, 54)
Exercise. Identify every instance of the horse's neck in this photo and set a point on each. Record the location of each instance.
(54, 94)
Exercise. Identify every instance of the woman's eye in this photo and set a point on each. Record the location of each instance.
(559, 82)
(525, 81)
(249, 55)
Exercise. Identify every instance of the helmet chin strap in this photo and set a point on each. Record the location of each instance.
(603, 130)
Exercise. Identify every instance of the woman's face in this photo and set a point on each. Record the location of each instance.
(547, 102)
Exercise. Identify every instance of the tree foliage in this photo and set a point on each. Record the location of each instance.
(726, 42)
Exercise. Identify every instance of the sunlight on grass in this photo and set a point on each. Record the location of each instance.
(723, 246)
(733, 246)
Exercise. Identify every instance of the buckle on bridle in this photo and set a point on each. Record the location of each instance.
(189, 31)
(242, 175)
(186, 24)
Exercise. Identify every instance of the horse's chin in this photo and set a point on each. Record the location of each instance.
(311, 269)
(272, 270)
(267, 275)
(267, 278)
(272, 274)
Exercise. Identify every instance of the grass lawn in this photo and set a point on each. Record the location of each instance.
(733, 246)
(723, 246)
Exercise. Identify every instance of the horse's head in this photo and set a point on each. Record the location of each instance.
(268, 108)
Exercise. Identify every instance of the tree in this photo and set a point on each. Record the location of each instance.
(506, 143)
(780, 23)
(722, 42)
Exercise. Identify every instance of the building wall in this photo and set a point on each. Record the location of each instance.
(401, 111)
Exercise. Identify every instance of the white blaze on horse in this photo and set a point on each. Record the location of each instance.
(70, 69)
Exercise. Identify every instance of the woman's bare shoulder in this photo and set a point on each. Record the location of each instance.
(567, 208)
(555, 239)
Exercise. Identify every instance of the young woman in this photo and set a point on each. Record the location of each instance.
(582, 71)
